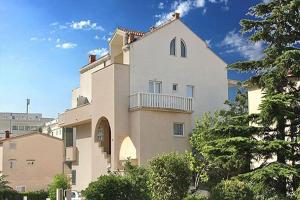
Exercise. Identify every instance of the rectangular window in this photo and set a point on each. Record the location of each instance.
(27, 128)
(30, 162)
(174, 87)
(12, 163)
(178, 129)
(73, 177)
(190, 91)
(155, 87)
(14, 128)
(33, 128)
(21, 128)
(12, 145)
(21, 188)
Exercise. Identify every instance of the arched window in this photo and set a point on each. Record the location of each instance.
(183, 48)
(173, 47)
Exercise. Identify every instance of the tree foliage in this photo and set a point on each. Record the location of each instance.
(169, 177)
(60, 181)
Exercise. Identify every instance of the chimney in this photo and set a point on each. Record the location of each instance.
(176, 15)
(7, 133)
(92, 58)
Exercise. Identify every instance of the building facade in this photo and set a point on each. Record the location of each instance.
(30, 161)
(141, 99)
(21, 123)
(52, 128)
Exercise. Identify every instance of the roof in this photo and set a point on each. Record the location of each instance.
(27, 135)
(137, 33)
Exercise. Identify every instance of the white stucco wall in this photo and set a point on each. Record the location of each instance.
(150, 59)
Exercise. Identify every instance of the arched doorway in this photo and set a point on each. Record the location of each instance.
(103, 134)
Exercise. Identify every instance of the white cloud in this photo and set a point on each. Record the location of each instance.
(161, 5)
(66, 45)
(106, 38)
(86, 25)
(208, 42)
(33, 38)
(97, 37)
(184, 7)
(54, 24)
(266, 1)
(100, 51)
(238, 44)
(57, 40)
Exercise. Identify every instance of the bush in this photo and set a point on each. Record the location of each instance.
(38, 195)
(297, 194)
(59, 181)
(169, 177)
(10, 194)
(109, 187)
(232, 189)
(138, 176)
(195, 197)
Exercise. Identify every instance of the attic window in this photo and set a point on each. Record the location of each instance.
(173, 47)
(183, 48)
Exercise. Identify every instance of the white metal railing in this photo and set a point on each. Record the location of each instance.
(163, 101)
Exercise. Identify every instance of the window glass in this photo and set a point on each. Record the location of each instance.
(21, 128)
(183, 48)
(173, 47)
(15, 128)
(151, 87)
(174, 87)
(12, 163)
(73, 177)
(178, 129)
(30, 162)
(27, 128)
(190, 91)
(155, 86)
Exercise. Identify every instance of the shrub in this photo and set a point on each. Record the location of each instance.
(169, 177)
(109, 187)
(232, 189)
(37, 195)
(195, 197)
(138, 176)
(10, 194)
(59, 181)
(297, 194)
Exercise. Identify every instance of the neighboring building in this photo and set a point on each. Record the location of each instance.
(52, 128)
(30, 161)
(141, 99)
(21, 123)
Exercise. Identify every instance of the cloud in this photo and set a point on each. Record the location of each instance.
(54, 24)
(236, 43)
(208, 43)
(66, 45)
(266, 1)
(33, 38)
(106, 38)
(161, 5)
(86, 25)
(100, 51)
(97, 37)
(184, 7)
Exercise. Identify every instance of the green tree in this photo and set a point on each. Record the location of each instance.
(169, 177)
(277, 24)
(60, 181)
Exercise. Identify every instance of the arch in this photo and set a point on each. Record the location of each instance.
(127, 150)
(183, 48)
(173, 47)
(103, 134)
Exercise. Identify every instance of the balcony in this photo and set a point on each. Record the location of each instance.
(71, 154)
(161, 102)
(75, 116)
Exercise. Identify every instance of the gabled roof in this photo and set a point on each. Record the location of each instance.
(28, 135)
(137, 33)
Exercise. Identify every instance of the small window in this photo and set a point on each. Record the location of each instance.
(12, 145)
(173, 47)
(14, 128)
(174, 87)
(178, 129)
(12, 163)
(27, 128)
(13, 117)
(155, 86)
(183, 48)
(73, 177)
(30, 162)
(21, 128)
(21, 188)
(190, 91)
(33, 128)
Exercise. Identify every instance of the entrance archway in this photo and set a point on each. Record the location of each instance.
(103, 134)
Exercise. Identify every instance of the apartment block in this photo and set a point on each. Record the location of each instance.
(141, 99)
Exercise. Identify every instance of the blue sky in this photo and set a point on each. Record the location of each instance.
(44, 43)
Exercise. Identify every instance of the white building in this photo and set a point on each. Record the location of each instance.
(52, 128)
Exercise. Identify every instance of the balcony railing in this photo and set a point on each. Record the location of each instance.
(161, 101)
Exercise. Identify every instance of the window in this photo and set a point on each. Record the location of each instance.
(33, 128)
(20, 188)
(155, 86)
(73, 177)
(190, 91)
(12, 163)
(15, 128)
(27, 128)
(30, 162)
(174, 87)
(173, 47)
(178, 129)
(21, 128)
(183, 48)
(12, 145)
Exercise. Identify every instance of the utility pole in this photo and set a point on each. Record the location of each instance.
(27, 105)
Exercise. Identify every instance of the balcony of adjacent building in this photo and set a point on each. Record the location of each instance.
(162, 102)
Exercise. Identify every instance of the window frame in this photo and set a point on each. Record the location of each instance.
(193, 91)
(174, 84)
(12, 164)
(154, 82)
(171, 47)
(182, 43)
(183, 126)
(73, 179)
